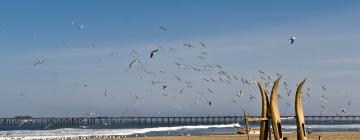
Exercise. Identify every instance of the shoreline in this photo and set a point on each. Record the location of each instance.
(290, 136)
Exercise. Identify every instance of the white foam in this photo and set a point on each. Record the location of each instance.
(326, 126)
(74, 132)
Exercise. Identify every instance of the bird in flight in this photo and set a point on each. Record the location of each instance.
(163, 28)
(40, 61)
(252, 97)
(153, 52)
(292, 39)
(203, 44)
(131, 63)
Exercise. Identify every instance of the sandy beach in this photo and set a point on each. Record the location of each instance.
(313, 136)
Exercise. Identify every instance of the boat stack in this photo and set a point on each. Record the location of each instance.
(270, 111)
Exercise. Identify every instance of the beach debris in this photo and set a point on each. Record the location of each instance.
(105, 93)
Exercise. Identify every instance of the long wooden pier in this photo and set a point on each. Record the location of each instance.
(180, 120)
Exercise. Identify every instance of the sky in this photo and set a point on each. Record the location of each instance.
(87, 47)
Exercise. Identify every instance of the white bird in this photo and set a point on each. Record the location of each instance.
(239, 94)
(323, 98)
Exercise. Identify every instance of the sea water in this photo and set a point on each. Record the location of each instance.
(169, 130)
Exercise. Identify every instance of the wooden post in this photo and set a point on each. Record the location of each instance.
(299, 114)
(274, 111)
(246, 122)
(264, 128)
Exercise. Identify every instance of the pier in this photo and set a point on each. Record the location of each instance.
(162, 121)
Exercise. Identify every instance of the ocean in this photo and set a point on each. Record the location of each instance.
(141, 130)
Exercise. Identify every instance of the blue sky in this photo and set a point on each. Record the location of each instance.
(242, 36)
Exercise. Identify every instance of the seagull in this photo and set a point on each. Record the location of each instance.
(210, 90)
(206, 80)
(285, 84)
(220, 79)
(164, 87)
(81, 26)
(40, 61)
(322, 106)
(308, 94)
(343, 110)
(201, 57)
(252, 97)
(292, 39)
(131, 63)
(178, 78)
(181, 91)
(323, 87)
(349, 103)
(235, 77)
(188, 45)
(23, 122)
(137, 97)
(209, 102)
(278, 74)
(261, 72)
(153, 52)
(239, 94)
(288, 104)
(323, 98)
(322, 113)
(163, 28)
(203, 45)
(212, 79)
(289, 92)
(204, 53)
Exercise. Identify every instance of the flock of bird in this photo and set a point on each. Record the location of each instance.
(218, 76)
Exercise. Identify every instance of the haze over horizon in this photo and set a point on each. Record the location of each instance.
(87, 46)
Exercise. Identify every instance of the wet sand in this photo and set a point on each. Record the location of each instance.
(313, 136)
